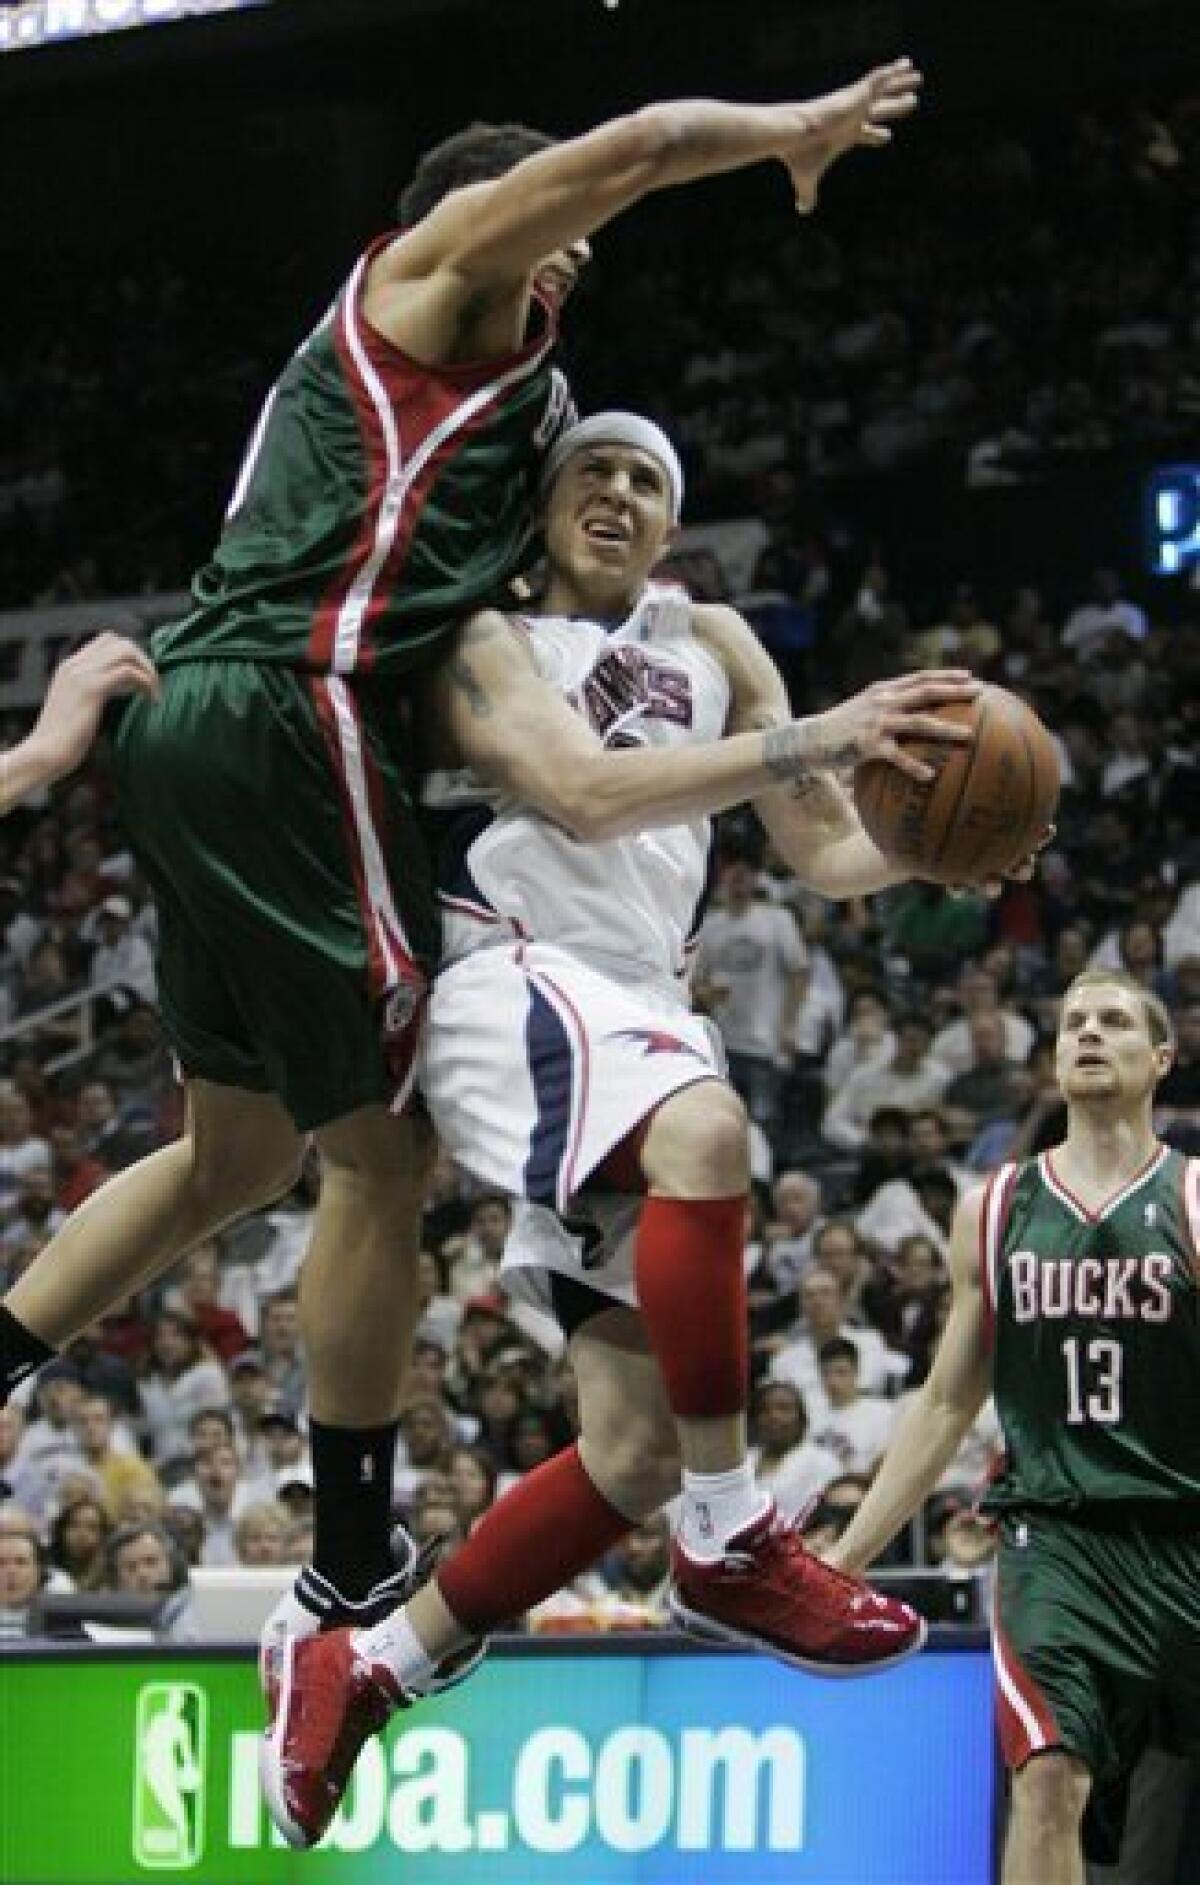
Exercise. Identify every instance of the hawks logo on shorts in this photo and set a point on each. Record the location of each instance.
(658, 1041)
(534, 1066)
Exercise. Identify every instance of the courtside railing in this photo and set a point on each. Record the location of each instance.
(84, 1004)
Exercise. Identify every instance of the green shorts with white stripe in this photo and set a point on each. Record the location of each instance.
(270, 812)
(1096, 1635)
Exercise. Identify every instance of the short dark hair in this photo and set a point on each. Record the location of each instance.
(129, 1534)
(474, 155)
(837, 1348)
(913, 1018)
(927, 1112)
(212, 1413)
(885, 1116)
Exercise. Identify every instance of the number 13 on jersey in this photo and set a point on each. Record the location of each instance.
(1094, 1371)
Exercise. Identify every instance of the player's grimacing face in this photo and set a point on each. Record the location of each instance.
(1103, 1049)
(609, 513)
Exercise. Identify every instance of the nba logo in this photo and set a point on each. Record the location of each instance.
(170, 1744)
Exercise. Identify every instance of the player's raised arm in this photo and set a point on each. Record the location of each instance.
(66, 726)
(518, 733)
(812, 821)
(932, 1430)
(499, 230)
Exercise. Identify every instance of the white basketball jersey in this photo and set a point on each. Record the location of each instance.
(631, 902)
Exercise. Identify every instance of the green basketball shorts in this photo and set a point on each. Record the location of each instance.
(297, 925)
(1096, 1637)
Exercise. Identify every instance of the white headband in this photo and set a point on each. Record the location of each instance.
(619, 428)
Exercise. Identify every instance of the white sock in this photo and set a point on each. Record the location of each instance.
(293, 1617)
(715, 1506)
(396, 1645)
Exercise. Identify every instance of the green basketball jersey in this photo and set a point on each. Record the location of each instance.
(1096, 1322)
(379, 501)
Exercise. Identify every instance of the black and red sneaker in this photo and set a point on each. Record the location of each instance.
(768, 1592)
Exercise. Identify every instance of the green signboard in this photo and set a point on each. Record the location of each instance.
(561, 1769)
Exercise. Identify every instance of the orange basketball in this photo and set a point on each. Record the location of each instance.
(988, 804)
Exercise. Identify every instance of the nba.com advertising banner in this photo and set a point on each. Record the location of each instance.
(572, 1768)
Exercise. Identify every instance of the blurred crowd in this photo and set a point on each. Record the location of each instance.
(1006, 299)
(1007, 304)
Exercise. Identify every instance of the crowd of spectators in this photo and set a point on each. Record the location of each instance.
(1007, 304)
(1005, 299)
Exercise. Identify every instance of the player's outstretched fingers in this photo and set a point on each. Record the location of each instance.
(895, 753)
(930, 685)
(907, 724)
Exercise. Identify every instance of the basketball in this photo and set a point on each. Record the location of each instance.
(988, 804)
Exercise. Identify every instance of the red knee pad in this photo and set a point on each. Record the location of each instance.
(692, 1291)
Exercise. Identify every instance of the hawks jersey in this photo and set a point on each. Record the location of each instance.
(1096, 1321)
(631, 903)
(379, 501)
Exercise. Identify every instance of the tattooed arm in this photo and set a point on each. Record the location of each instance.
(516, 732)
(811, 820)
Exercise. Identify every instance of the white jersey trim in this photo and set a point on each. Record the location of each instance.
(1191, 1206)
(401, 476)
(995, 1210)
(1076, 1206)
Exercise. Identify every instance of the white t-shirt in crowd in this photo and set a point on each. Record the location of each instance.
(879, 1367)
(823, 1008)
(128, 962)
(895, 1212)
(849, 1112)
(1088, 627)
(982, 1442)
(951, 1045)
(856, 1435)
(802, 1473)
(751, 957)
(847, 1056)
(31, 1154)
(1181, 937)
(44, 1457)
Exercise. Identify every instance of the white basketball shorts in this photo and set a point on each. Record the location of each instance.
(535, 1066)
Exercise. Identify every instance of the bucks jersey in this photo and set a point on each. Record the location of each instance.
(1096, 1322)
(628, 904)
(379, 501)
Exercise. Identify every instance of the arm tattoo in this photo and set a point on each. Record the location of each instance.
(468, 683)
(783, 758)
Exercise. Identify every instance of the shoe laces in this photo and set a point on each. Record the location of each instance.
(780, 1543)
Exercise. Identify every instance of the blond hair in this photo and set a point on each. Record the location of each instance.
(1159, 1025)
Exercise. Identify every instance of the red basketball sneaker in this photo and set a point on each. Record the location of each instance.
(330, 1702)
(768, 1592)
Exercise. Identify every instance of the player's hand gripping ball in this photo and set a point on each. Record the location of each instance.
(988, 807)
